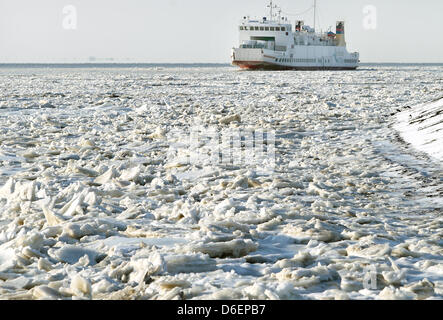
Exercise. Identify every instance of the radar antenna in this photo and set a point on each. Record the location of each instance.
(279, 15)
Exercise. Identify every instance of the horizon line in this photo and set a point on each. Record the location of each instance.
(181, 63)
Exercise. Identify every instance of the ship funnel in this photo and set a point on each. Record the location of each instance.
(340, 31)
(299, 25)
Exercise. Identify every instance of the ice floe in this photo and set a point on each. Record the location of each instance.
(104, 195)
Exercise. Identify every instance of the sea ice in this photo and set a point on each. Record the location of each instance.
(102, 196)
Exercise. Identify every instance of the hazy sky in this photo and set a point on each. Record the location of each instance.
(204, 30)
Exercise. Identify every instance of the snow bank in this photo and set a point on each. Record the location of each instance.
(422, 127)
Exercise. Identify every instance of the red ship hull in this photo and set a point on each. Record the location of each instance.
(255, 65)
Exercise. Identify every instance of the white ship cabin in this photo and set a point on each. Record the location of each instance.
(264, 35)
(279, 36)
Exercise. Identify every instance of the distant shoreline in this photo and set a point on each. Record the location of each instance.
(112, 65)
(175, 65)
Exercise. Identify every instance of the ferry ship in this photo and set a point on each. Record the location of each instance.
(271, 43)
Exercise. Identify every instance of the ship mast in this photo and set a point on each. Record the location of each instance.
(271, 6)
(315, 12)
(270, 14)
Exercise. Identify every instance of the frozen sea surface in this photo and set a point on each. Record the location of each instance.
(93, 203)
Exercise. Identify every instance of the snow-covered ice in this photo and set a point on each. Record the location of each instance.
(99, 201)
(422, 126)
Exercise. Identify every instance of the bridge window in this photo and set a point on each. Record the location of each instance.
(277, 28)
(266, 28)
(262, 28)
(257, 28)
(272, 28)
(241, 28)
(283, 29)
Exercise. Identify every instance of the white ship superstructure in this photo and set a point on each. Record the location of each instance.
(274, 44)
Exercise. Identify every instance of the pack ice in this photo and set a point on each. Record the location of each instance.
(98, 198)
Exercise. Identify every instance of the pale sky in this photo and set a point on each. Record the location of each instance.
(192, 31)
